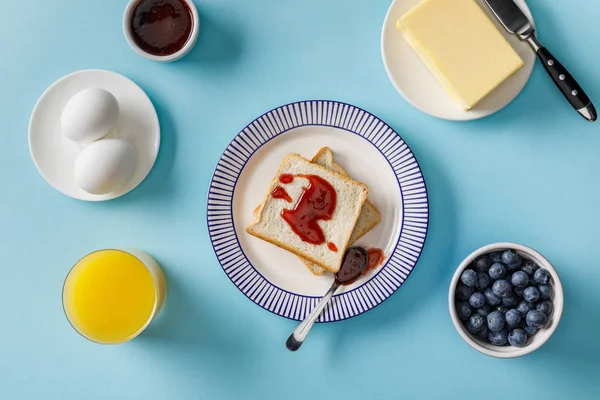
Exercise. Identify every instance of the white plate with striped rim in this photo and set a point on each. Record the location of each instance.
(371, 152)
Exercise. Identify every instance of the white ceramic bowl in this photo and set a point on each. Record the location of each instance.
(171, 57)
(541, 336)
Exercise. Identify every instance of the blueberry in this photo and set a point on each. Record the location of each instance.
(463, 310)
(502, 308)
(542, 276)
(545, 291)
(491, 298)
(477, 300)
(529, 330)
(513, 318)
(476, 323)
(495, 321)
(511, 301)
(497, 271)
(511, 259)
(502, 288)
(463, 291)
(534, 318)
(518, 291)
(529, 267)
(517, 338)
(496, 257)
(531, 294)
(545, 306)
(524, 307)
(469, 277)
(499, 338)
(482, 263)
(484, 310)
(483, 281)
(483, 334)
(519, 279)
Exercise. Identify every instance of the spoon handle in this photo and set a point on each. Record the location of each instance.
(296, 339)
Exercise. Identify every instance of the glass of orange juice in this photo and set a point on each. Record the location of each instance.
(110, 296)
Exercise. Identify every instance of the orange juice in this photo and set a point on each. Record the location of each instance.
(110, 296)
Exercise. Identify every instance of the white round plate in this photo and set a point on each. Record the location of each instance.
(371, 152)
(418, 85)
(54, 155)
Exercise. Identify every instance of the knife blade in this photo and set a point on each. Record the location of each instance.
(511, 16)
(516, 22)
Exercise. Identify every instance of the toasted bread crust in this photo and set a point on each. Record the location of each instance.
(320, 153)
(313, 268)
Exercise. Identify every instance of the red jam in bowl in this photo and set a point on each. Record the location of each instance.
(161, 27)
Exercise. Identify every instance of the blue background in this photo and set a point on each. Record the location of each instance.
(528, 174)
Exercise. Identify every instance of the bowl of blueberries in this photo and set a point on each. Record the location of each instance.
(506, 300)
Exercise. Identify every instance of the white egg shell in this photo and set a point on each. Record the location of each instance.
(90, 115)
(105, 166)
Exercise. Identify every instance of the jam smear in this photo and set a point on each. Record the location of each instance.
(376, 258)
(286, 178)
(161, 27)
(280, 193)
(316, 203)
(332, 247)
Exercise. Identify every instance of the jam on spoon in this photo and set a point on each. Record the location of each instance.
(354, 265)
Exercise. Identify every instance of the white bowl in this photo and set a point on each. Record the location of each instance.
(171, 57)
(541, 336)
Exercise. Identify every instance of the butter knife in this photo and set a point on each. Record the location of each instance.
(513, 19)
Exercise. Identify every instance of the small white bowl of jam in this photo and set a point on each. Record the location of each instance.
(161, 30)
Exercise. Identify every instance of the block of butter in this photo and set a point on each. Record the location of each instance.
(461, 46)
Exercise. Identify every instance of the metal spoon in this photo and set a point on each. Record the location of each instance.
(354, 264)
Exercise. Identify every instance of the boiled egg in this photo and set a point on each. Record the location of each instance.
(90, 115)
(105, 166)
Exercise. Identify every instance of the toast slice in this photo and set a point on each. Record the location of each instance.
(272, 227)
(369, 214)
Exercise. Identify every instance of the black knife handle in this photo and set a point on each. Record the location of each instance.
(566, 83)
